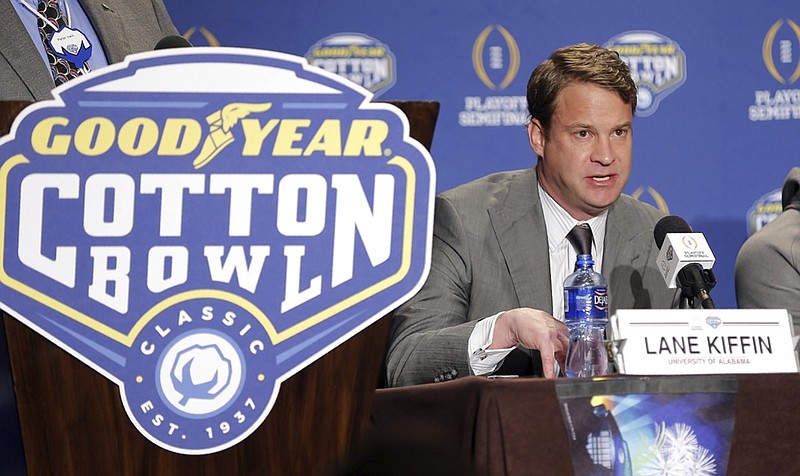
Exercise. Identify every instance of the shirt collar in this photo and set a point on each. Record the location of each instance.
(558, 222)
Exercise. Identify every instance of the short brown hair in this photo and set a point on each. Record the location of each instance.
(577, 63)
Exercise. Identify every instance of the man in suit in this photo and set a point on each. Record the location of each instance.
(767, 273)
(121, 27)
(493, 301)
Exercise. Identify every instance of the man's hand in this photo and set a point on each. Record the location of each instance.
(533, 329)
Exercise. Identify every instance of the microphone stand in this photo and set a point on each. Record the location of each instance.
(696, 283)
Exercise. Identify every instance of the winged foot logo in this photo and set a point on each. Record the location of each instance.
(200, 225)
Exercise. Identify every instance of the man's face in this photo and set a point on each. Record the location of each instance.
(586, 160)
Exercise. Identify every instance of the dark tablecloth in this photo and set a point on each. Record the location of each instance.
(515, 427)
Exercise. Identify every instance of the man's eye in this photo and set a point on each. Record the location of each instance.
(583, 134)
(621, 132)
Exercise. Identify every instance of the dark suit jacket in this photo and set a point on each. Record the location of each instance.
(490, 254)
(123, 26)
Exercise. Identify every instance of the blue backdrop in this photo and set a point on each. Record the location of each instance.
(721, 79)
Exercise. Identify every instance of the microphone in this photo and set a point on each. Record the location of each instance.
(172, 41)
(685, 260)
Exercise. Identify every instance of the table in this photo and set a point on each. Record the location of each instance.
(514, 427)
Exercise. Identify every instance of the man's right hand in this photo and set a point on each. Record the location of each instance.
(533, 329)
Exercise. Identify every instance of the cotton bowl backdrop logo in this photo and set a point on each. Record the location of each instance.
(658, 66)
(200, 224)
(764, 210)
(357, 57)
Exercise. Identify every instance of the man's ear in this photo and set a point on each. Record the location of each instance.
(536, 137)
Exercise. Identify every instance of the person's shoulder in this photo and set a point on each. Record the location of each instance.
(781, 233)
(494, 181)
(636, 212)
(773, 251)
(489, 188)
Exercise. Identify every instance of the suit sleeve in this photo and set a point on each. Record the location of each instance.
(430, 332)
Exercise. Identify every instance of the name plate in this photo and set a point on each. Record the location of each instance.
(702, 341)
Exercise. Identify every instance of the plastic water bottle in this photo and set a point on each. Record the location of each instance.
(586, 316)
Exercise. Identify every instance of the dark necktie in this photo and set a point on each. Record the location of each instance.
(62, 69)
(581, 238)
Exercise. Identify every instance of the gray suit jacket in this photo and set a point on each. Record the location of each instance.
(490, 254)
(123, 26)
(767, 272)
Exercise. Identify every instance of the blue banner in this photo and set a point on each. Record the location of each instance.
(720, 99)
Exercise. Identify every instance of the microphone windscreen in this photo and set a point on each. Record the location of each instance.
(172, 41)
(669, 224)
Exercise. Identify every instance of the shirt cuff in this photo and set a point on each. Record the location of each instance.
(481, 360)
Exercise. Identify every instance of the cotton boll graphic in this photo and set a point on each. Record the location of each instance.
(200, 372)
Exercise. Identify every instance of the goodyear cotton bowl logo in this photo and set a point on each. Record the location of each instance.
(781, 54)
(199, 225)
(495, 59)
(657, 64)
(357, 57)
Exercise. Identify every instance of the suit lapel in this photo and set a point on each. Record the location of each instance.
(109, 28)
(17, 48)
(617, 251)
(518, 223)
